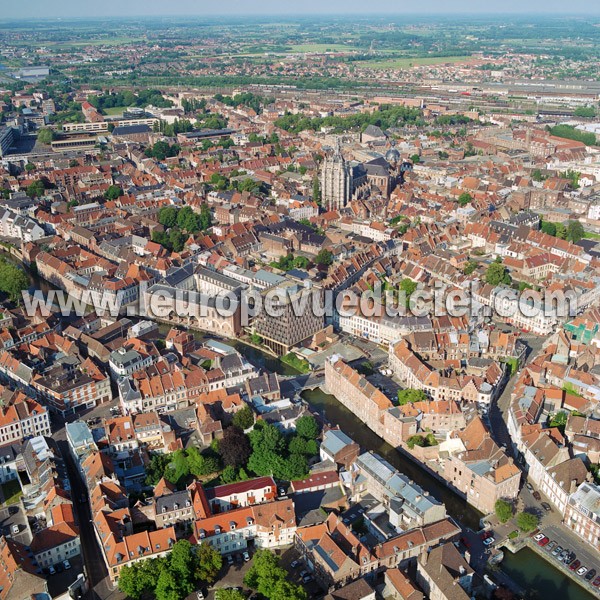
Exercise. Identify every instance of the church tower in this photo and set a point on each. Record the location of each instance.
(336, 180)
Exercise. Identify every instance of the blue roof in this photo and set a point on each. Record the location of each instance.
(335, 440)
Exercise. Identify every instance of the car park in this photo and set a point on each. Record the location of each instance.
(590, 574)
(575, 565)
(581, 571)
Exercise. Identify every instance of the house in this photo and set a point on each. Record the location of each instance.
(399, 587)
(443, 574)
(582, 514)
(223, 498)
(338, 448)
(60, 540)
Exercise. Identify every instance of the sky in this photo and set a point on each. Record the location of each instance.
(138, 8)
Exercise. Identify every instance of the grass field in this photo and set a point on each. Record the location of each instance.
(405, 63)
(590, 235)
(11, 491)
(115, 110)
(323, 48)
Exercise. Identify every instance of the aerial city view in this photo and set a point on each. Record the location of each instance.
(299, 301)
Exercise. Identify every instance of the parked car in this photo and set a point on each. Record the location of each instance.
(246, 556)
(546, 507)
(543, 541)
(303, 574)
(581, 571)
(52, 570)
(575, 565)
(489, 541)
(538, 537)
(590, 574)
(596, 582)
(294, 564)
(307, 579)
(563, 555)
(229, 559)
(551, 546)
(200, 595)
(66, 564)
(570, 558)
(15, 528)
(529, 487)
(557, 551)
(537, 495)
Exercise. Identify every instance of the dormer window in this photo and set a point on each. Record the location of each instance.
(231, 525)
(217, 530)
(201, 534)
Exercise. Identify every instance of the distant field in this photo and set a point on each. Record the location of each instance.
(323, 48)
(116, 110)
(405, 63)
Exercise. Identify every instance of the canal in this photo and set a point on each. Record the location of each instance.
(540, 578)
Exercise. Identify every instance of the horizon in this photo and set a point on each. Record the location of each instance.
(112, 9)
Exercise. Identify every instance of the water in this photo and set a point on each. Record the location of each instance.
(540, 578)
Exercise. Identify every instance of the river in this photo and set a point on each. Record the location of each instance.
(538, 576)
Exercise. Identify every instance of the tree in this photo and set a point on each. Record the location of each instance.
(113, 192)
(465, 198)
(35, 189)
(205, 220)
(549, 228)
(324, 258)
(29, 167)
(229, 474)
(497, 273)
(411, 395)
(408, 287)
(504, 510)
(12, 280)
(559, 420)
(416, 440)
(229, 594)
(199, 464)
(316, 190)
(188, 220)
(167, 587)
(182, 564)
(527, 521)
(45, 136)
(270, 580)
(470, 267)
(244, 418)
(234, 447)
(307, 427)
(167, 216)
(300, 445)
(575, 231)
(561, 231)
(416, 159)
(208, 563)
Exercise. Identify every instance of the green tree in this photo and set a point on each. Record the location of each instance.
(35, 189)
(167, 587)
(549, 228)
(470, 267)
(411, 395)
(497, 273)
(45, 136)
(416, 159)
(324, 258)
(167, 216)
(316, 190)
(113, 192)
(559, 420)
(307, 427)
(527, 521)
(504, 510)
(188, 220)
(561, 231)
(408, 288)
(300, 445)
(465, 198)
(229, 594)
(575, 231)
(29, 167)
(244, 418)
(205, 220)
(229, 474)
(182, 565)
(416, 440)
(12, 280)
(208, 563)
